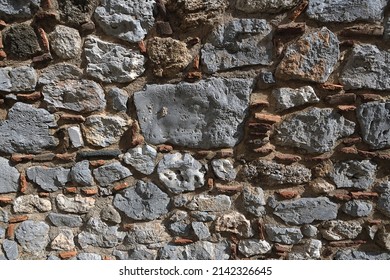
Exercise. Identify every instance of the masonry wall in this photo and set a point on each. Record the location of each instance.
(194, 129)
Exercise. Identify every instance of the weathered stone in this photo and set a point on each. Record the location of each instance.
(309, 231)
(384, 203)
(306, 210)
(366, 67)
(63, 220)
(148, 233)
(3, 215)
(201, 250)
(346, 11)
(142, 158)
(99, 234)
(9, 177)
(169, 56)
(75, 13)
(11, 9)
(254, 200)
(65, 42)
(63, 241)
(89, 256)
(339, 230)
(354, 174)
(99, 154)
(206, 114)
(240, 42)
(313, 249)
(143, 202)
(77, 204)
(201, 230)
(283, 235)
(267, 6)
(224, 169)
(2, 232)
(374, 123)
(311, 58)
(75, 136)
(208, 203)
(110, 62)
(180, 173)
(117, 99)
(20, 41)
(33, 236)
(314, 130)
(201, 216)
(11, 250)
(234, 222)
(31, 204)
(320, 186)
(59, 72)
(357, 208)
(141, 252)
(287, 98)
(353, 254)
(382, 238)
(49, 179)
(110, 173)
(179, 223)
(252, 247)
(18, 79)
(110, 215)
(81, 174)
(102, 131)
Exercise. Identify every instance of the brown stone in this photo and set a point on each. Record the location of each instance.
(224, 153)
(332, 87)
(352, 140)
(347, 43)
(367, 154)
(44, 58)
(347, 243)
(136, 137)
(66, 157)
(210, 183)
(163, 28)
(23, 183)
(182, 241)
(383, 155)
(346, 108)
(287, 194)
(87, 28)
(268, 118)
(31, 97)
(120, 187)
(164, 148)
(90, 191)
(193, 41)
(16, 158)
(342, 196)
(67, 254)
(17, 219)
(6, 200)
(228, 188)
(259, 103)
(44, 157)
(299, 9)
(368, 97)
(362, 30)
(10, 233)
(290, 29)
(260, 127)
(282, 248)
(264, 150)
(289, 158)
(364, 195)
(342, 99)
(194, 76)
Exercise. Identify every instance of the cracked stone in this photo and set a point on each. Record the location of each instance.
(201, 250)
(283, 235)
(224, 169)
(142, 158)
(9, 177)
(340, 230)
(110, 173)
(234, 222)
(63, 241)
(179, 223)
(354, 174)
(254, 200)
(31, 204)
(65, 42)
(77, 204)
(65, 220)
(287, 98)
(18, 79)
(252, 247)
(33, 236)
(49, 179)
(81, 174)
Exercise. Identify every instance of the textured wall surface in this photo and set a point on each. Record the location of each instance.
(194, 129)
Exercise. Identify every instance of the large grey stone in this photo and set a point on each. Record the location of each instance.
(9, 177)
(311, 58)
(354, 174)
(374, 123)
(201, 230)
(306, 210)
(117, 99)
(283, 235)
(65, 42)
(224, 169)
(180, 173)
(207, 203)
(81, 174)
(126, 20)
(110, 173)
(314, 130)
(49, 179)
(353, 254)
(27, 130)
(265, 6)
(18, 79)
(65, 220)
(112, 63)
(252, 247)
(82, 96)
(206, 114)
(339, 230)
(77, 204)
(254, 200)
(145, 201)
(18, 9)
(309, 231)
(11, 250)
(287, 98)
(201, 250)
(366, 67)
(31, 204)
(148, 233)
(59, 72)
(21, 41)
(142, 158)
(33, 236)
(64, 241)
(346, 11)
(237, 43)
(384, 203)
(234, 222)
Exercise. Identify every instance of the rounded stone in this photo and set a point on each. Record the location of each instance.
(33, 236)
(65, 42)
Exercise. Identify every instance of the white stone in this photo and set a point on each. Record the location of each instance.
(75, 136)
(65, 42)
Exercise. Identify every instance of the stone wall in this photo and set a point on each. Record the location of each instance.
(194, 129)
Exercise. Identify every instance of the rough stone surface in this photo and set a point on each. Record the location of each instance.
(77, 204)
(237, 43)
(81, 174)
(82, 96)
(18, 79)
(201, 230)
(353, 254)
(75, 13)
(287, 98)
(148, 233)
(117, 99)
(283, 235)
(59, 72)
(309, 231)
(30, 204)
(89, 256)
(314, 130)
(224, 169)
(9, 177)
(313, 248)
(357, 208)
(3, 215)
(252, 247)
(33, 236)
(110, 62)
(201, 250)
(234, 222)
(142, 158)
(65, 42)
(110, 173)
(267, 6)
(126, 20)
(180, 173)
(208, 203)
(339, 230)
(63, 241)
(17, 9)
(102, 131)
(49, 179)
(180, 224)
(206, 114)
(346, 11)
(320, 186)
(65, 220)
(75, 136)
(254, 200)
(366, 67)
(110, 215)
(306, 210)
(311, 58)
(20, 41)
(11, 250)
(145, 201)
(141, 252)
(354, 174)
(2, 233)
(384, 203)
(374, 123)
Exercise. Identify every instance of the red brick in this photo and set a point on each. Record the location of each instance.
(299, 9)
(31, 97)
(44, 194)
(3, 24)
(23, 183)
(17, 219)
(182, 241)
(259, 103)
(268, 118)
(352, 140)
(164, 148)
(228, 188)
(121, 186)
(3, 55)
(72, 190)
(282, 248)
(142, 46)
(368, 97)
(16, 158)
(194, 75)
(287, 194)
(66, 157)
(349, 150)
(364, 195)
(347, 243)
(287, 157)
(289, 29)
(72, 118)
(196, 62)
(6, 200)
(224, 153)
(265, 150)
(367, 154)
(346, 108)
(90, 191)
(333, 87)
(67, 254)
(342, 196)
(210, 183)
(10, 233)
(44, 40)
(97, 163)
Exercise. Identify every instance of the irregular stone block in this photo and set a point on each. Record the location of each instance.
(374, 123)
(234, 222)
(11, 9)
(143, 202)
(313, 249)
(31, 204)
(141, 252)
(65, 42)
(240, 42)
(3, 215)
(11, 250)
(309, 230)
(314, 130)
(207, 203)
(320, 186)
(110, 173)
(142, 158)
(89, 256)
(283, 235)
(179, 223)
(112, 63)
(9, 177)
(126, 20)
(252, 247)
(18, 79)
(224, 169)
(81, 174)
(76, 13)
(254, 200)
(265, 6)
(384, 203)
(117, 99)
(33, 236)
(339, 230)
(109, 214)
(201, 250)
(353, 254)
(77, 204)
(206, 114)
(63, 241)
(65, 220)
(148, 233)
(287, 98)
(306, 210)
(49, 179)
(2, 235)
(20, 41)
(75, 136)
(59, 72)
(311, 58)
(201, 230)
(354, 174)
(346, 11)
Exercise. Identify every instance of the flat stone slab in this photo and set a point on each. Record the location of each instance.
(49, 179)
(18, 79)
(287, 98)
(354, 174)
(9, 177)
(207, 114)
(16, 9)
